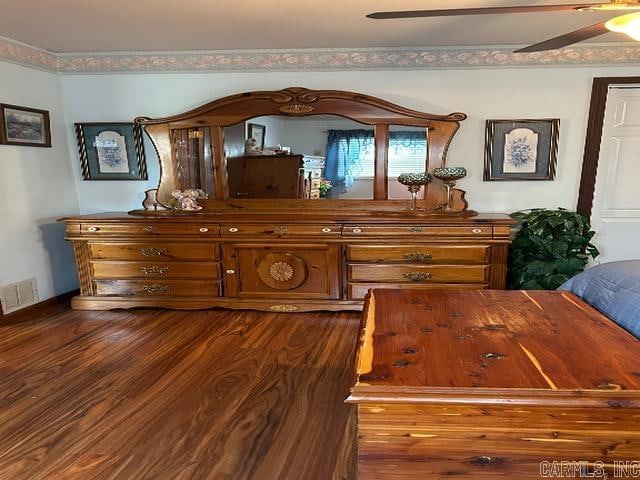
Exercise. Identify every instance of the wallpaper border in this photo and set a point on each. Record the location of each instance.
(314, 59)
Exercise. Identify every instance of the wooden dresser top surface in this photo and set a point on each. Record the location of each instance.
(299, 213)
(503, 346)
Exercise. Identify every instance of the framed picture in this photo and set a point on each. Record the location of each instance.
(111, 151)
(258, 133)
(521, 149)
(24, 126)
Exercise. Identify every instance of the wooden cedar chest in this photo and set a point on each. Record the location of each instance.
(489, 384)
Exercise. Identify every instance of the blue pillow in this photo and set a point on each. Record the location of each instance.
(614, 289)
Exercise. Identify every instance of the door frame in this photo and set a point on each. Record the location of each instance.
(599, 94)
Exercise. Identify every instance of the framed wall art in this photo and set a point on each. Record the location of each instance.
(521, 149)
(111, 151)
(258, 133)
(25, 126)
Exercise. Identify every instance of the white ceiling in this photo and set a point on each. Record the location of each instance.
(170, 25)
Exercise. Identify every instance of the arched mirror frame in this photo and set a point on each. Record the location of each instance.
(298, 102)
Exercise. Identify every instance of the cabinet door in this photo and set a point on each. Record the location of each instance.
(282, 270)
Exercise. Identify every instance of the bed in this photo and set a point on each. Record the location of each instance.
(614, 289)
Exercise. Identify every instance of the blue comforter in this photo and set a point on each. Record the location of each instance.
(614, 289)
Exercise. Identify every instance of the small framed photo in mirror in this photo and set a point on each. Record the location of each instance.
(24, 126)
(111, 151)
(258, 133)
(521, 149)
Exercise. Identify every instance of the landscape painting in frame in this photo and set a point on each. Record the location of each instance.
(111, 151)
(24, 126)
(521, 149)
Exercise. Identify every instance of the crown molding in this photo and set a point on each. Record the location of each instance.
(315, 59)
(27, 55)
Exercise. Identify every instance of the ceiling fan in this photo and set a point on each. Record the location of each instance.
(628, 23)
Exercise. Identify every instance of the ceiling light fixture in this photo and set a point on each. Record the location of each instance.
(613, 6)
(628, 24)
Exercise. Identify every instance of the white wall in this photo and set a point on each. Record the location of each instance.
(482, 94)
(36, 188)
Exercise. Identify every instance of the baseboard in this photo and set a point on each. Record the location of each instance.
(40, 309)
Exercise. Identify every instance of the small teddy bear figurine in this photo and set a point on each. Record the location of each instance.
(187, 199)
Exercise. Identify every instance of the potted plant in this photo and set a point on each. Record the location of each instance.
(551, 247)
(324, 187)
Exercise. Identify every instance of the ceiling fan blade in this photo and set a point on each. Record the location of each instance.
(567, 39)
(450, 12)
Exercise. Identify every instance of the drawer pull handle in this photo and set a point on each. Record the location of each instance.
(357, 230)
(230, 272)
(149, 229)
(233, 229)
(93, 229)
(154, 270)
(476, 230)
(156, 288)
(417, 276)
(280, 230)
(416, 229)
(204, 230)
(417, 257)
(153, 251)
(326, 230)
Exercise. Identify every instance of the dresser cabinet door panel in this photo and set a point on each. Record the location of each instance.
(357, 291)
(156, 250)
(119, 269)
(419, 273)
(419, 253)
(282, 271)
(158, 288)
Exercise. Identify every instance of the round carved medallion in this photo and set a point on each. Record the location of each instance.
(282, 271)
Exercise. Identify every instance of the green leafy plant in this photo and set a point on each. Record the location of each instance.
(551, 247)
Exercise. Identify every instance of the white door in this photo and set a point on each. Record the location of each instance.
(616, 207)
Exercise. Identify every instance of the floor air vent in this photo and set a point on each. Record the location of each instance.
(18, 295)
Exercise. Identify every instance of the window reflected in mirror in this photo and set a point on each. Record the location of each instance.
(322, 156)
(407, 154)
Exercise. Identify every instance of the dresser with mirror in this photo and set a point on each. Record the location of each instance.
(309, 216)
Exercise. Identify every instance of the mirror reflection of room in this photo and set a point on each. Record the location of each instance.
(321, 156)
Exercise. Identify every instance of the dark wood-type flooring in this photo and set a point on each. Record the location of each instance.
(177, 395)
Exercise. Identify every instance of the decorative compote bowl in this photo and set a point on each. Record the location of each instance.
(449, 176)
(414, 182)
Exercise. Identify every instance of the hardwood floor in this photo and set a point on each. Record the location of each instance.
(178, 395)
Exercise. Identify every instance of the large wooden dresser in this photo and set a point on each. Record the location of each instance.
(285, 261)
(289, 254)
(494, 384)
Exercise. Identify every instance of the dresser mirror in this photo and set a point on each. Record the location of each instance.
(311, 157)
(310, 145)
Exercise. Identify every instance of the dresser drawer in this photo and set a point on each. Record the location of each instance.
(419, 273)
(155, 250)
(281, 230)
(158, 288)
(119, 269)
(418, 253)
(150, 229)
(417, 230)
(357, 291)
